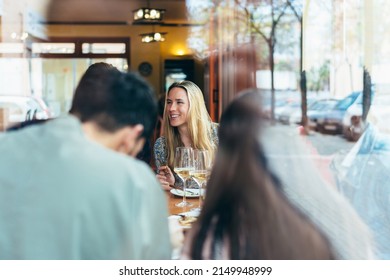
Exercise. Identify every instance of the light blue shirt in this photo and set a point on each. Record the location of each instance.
(63, 196)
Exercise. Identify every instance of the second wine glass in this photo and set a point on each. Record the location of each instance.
(184, 164)
(202, 165)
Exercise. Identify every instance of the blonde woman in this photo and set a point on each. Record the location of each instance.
(186, 124)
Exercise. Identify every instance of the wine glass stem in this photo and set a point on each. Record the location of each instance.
(184, 191)
(200, 195)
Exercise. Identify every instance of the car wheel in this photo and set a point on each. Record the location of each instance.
(355, 130)
(347, 133)
(320, 128)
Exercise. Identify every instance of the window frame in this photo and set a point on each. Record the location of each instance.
(78, 51)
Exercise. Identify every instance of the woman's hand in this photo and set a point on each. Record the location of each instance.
(165, 177)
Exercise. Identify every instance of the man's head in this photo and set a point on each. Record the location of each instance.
(114, 101)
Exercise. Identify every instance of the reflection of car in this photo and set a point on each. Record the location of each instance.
(363, 174)
(319, 110)
(22, 108)
(267, 107)
(353, 126)
(379, 113)
(290, 113)
(332, 120)
(363, 177)
(314, 110)
(283, 114)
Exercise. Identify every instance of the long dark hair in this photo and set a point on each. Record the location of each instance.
(245, 207)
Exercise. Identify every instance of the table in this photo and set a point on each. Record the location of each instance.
(172, 200)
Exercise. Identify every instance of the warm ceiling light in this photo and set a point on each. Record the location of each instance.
(153, 37)
(148, 15)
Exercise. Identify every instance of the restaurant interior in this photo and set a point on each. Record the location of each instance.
(295, 49)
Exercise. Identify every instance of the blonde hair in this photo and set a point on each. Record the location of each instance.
(198, 122)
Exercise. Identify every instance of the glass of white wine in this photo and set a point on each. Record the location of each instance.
(202, 165)
(184, 164)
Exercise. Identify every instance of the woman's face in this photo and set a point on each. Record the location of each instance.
(177, 107)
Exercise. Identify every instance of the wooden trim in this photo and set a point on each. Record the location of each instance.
(125, 23)
(86, 23)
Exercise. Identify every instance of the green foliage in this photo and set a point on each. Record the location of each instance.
(318, 77)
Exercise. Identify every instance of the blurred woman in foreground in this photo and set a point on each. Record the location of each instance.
(245, 214)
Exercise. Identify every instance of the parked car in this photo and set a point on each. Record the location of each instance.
(379, 113)
(362, 176)
(314, 110)
(353, 126)
(23, 108)
(332, 121)
(283, 113)
(267, 107)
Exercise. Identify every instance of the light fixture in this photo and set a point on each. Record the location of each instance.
(153, 37)
(148, 15)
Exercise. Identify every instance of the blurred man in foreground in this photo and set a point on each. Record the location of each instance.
(69, 190)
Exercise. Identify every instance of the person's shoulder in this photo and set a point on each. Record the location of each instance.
(214, 132)
(142, 177)
(133, 167)
(161, 139)
(160, 143)
(214, 126)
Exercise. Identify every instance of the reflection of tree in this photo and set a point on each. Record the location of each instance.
(270, 25)
(297, 9)
(263, 18)
(203, 12)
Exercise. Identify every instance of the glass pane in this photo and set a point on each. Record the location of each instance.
(53, 48)
(119, 63)
(11, 48)
(104, 48)
(174, 77)
(14, 73)
(56, 79)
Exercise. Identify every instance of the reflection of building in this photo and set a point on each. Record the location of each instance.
(359, 40)
(346, 58)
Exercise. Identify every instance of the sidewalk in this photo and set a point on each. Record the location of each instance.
(284, 143)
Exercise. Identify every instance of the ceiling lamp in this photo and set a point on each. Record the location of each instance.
(148, 15)
(153, 37)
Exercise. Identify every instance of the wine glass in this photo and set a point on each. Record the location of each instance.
(202, 165)
(184, 164)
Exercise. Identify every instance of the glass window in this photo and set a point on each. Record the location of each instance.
(346, 102)
(11, 48)
(55, 79)
(104, 48)
(55, 48)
